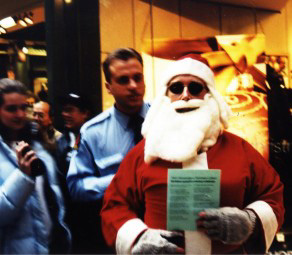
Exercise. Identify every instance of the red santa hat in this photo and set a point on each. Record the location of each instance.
(196, 65)
(190, 64)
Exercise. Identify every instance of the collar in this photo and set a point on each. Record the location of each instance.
(8, 151)
(72, 139)
(50, 131)
(123, 118)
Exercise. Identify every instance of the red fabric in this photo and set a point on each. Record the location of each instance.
(139, 190)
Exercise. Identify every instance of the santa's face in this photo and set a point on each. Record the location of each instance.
(178, 130)
(186, 87)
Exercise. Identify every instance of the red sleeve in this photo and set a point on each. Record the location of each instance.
(247, 178)
(265, 183)
(122, 201)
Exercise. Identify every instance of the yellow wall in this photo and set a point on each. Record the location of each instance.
(129, 22)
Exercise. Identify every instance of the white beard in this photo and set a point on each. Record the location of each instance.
(177, 137)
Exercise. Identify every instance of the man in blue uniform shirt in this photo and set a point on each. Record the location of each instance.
(107, 138)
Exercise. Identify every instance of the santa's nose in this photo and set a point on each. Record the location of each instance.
(185, 94)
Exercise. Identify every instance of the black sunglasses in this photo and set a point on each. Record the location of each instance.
(195, 88)
(124, 80)
(14, 107)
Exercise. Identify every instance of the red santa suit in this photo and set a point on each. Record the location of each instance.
(137, 196)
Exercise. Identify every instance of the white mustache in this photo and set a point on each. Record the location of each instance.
(193, 103)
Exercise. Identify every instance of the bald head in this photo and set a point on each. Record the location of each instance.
(41, 114)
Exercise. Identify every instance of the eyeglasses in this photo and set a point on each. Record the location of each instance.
(14, 107)
(124, 80)
(195, 88)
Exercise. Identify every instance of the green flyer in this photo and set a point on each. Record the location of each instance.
(188, 193)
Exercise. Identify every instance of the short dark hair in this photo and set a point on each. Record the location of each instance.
(51, 110)
(120, 53)
(8, 86)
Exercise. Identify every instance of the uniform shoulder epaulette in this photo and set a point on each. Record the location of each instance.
(97, 119)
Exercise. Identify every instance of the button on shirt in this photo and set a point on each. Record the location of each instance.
(105, 141)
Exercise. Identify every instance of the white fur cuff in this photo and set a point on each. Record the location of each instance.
(193, 238)
(127, 234)
(268, 219)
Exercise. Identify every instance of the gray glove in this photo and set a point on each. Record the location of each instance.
(154, 241)
(228, 224)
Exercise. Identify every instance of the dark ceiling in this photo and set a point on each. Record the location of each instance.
(36, 32)
(12, 7)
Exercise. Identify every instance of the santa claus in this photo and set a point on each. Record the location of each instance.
(184, 129)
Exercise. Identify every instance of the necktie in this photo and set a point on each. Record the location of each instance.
(135, 123)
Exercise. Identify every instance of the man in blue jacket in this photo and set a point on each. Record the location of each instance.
(107, 138)
(80, 216)
(31, 206)
(76, 110)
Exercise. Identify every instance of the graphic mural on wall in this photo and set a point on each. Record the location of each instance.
(238, 62)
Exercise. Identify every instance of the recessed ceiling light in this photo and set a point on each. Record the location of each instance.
(24, 50)
(22, 23)
(7, 22)
(2, 30)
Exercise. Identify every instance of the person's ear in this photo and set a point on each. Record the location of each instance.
(108, 88)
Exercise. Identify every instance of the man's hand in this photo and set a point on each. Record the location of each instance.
(25, 156)
(228, 224)
(156, 241)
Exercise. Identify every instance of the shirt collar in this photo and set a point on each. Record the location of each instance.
(72, 139)
(123, 118)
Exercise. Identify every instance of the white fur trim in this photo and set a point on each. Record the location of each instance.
(202, 71)
(127, 234)
(200, 162)
(189, 66)
(193, 238)
(225, 111)
(197, 243)
(177, 137)
(268, 219)
(152, 112)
